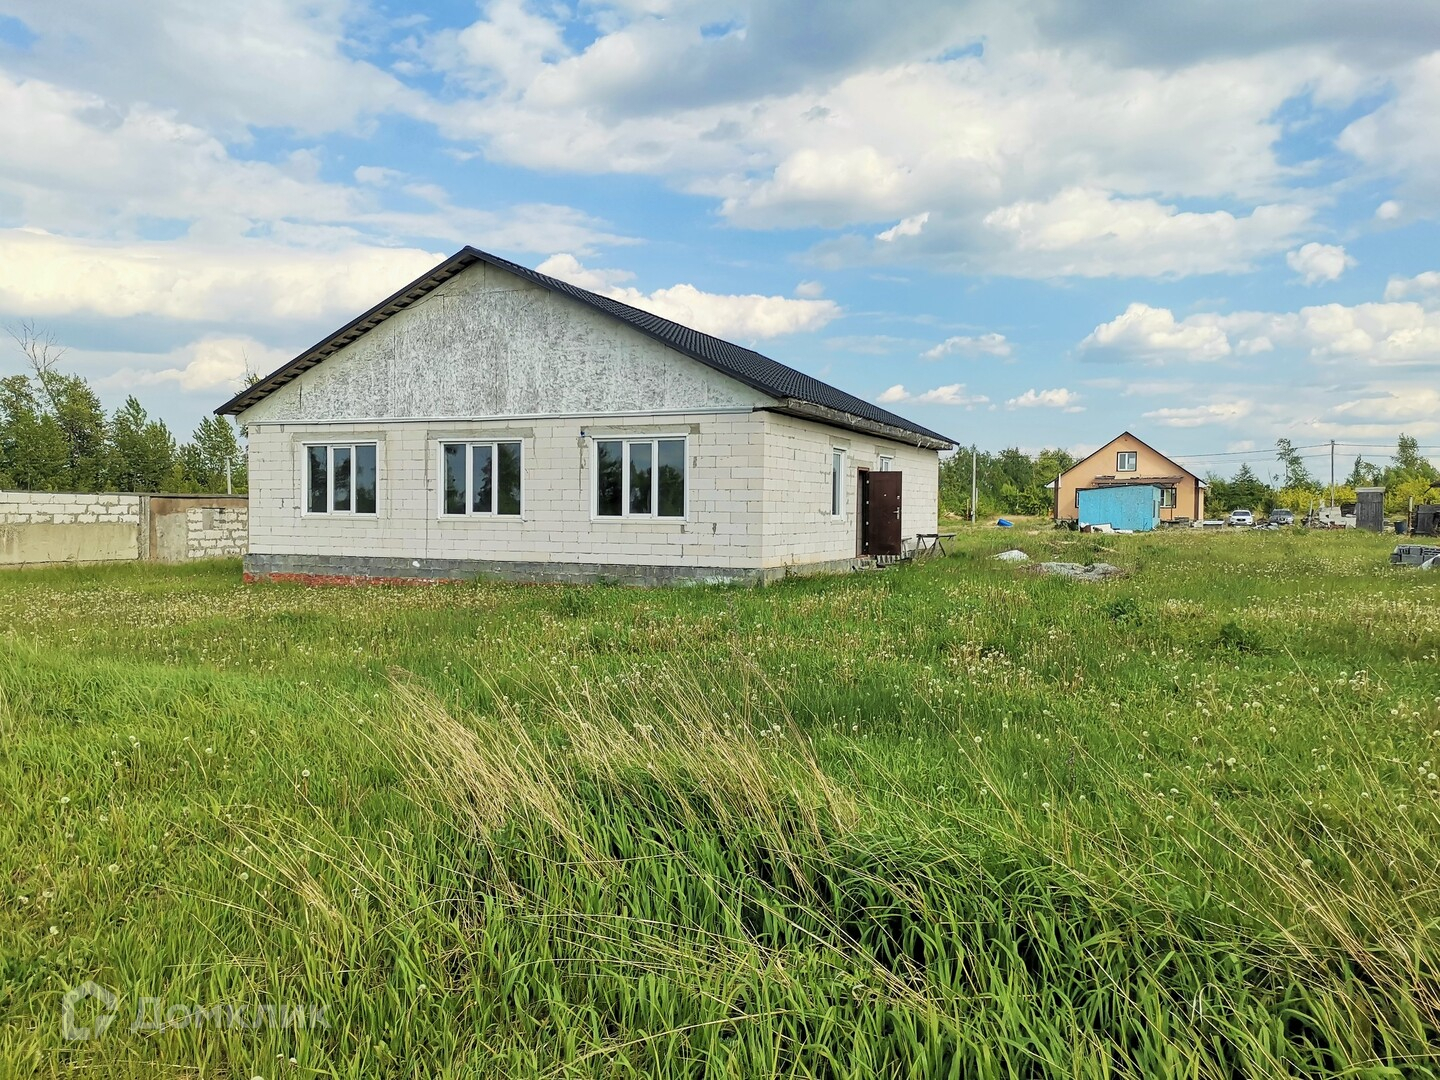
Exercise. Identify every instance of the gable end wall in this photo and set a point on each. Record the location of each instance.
(487, 344)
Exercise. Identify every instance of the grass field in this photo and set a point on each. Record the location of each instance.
(947, 820)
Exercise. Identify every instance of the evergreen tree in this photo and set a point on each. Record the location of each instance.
(142, 451)
(1363, 474)
(204, 458)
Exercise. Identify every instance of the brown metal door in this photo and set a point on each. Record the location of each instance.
(883, 527)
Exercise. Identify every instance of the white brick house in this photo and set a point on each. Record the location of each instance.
(488, 420)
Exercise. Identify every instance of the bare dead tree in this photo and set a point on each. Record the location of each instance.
(42, 351)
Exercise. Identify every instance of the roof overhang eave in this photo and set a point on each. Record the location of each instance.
(836, 418)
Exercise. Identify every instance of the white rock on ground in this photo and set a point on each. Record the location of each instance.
(1013, 555)
(1094, 572)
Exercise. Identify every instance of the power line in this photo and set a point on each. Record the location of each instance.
(1271, 452)
(1244, 453)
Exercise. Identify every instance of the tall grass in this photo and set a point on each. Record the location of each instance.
(956, 820)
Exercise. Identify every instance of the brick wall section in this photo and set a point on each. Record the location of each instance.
(758, 502)
(60, 508)
(724, 459)
(798, 524)
(216, 532)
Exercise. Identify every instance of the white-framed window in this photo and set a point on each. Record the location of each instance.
(341, 478)
(837, 482)
(481, 478)
(640, 478)
(1167, 497)
(1125, 461)
(887, 463)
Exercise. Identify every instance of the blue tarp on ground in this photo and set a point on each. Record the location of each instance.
(1127, 506)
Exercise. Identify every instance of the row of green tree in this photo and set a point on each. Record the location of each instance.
(1013, 482)
(1007, 482)
(55, 436)
(1408, 478)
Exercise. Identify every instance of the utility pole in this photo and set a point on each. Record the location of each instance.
(229, 488)
(1332, 472)
(972, 482)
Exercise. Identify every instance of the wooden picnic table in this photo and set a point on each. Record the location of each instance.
(930, 543)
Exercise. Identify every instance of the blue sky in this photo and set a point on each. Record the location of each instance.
(1029, 224)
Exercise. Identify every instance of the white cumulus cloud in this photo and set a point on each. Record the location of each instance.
(952, 394)
(1319, 263)
(1152, 334)
(1088, 233)
(43, 275)
(1224, 412)
(725, 315)
(910, 226)
(211, 364)
(1424, 287)
(983, 344)
(1058, 398)
(1393, 332)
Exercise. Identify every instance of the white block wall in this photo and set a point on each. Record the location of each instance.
(758, 488)
(798, 525)
(219, 532)
(556, 524)
(63, 508)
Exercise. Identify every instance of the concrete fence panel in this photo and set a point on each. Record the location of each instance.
(39, 528)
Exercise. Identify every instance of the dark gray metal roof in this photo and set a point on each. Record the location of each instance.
(793, 390)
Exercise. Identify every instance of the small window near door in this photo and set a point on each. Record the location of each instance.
(886, 463)
(837, 483)
(1167, 497)
(340, 479)
(1125, 461)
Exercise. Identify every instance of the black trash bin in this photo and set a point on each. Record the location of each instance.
(1400, 527)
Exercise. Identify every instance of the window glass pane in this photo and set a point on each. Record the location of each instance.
(640, 453)
(837, 467)
(319, 484)
(670, 460)
(507, 493)
(482, 479)
(607, 477)
(340, 463)
(455, 478)
(365, 479)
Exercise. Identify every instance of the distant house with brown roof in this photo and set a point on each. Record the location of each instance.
(1124, 461)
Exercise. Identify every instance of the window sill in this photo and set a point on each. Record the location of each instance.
(472, 519)
(638, 520)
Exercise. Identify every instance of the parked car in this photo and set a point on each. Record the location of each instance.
(1282, 517)
(1241, 517)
